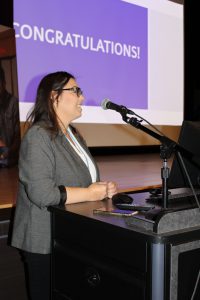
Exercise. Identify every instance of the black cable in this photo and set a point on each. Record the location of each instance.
(154, 127)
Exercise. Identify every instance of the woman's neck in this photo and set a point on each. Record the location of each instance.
(63, 126)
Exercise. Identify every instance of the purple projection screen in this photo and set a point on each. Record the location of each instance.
(81, 37)
(106, 44)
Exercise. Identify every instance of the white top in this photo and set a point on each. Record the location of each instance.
(83, 155)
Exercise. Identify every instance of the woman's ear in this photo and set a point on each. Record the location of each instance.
(54, 96)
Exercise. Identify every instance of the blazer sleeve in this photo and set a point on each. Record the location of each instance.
(36, 168)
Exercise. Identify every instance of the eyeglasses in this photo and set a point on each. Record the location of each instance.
(75, 89)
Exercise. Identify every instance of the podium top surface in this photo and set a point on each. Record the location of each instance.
(182, 220)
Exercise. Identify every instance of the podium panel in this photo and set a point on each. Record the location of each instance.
(185, 268)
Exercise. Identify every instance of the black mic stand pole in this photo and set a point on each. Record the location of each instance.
(166, 149)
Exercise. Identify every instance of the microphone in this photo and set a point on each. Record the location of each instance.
(107, 104)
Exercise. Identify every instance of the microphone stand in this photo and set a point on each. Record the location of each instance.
(167, 147)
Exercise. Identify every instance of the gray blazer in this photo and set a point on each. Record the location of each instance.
(44, 164)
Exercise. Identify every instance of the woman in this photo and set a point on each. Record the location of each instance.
(55, 167)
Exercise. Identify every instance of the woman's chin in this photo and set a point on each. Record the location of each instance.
(78, 115)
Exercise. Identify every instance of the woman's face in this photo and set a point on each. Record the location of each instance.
(68, 105)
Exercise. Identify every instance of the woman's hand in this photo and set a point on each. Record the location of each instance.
(95, 192)
(98, 190)
(102, 189)
(111, 189)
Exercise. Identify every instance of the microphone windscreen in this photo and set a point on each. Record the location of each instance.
(104, 103)
(122, 198)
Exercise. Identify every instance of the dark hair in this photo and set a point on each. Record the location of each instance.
(2, 75)
(43, 109)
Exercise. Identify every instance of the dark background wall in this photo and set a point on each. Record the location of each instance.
(6, 13)
(191, 60)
